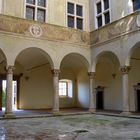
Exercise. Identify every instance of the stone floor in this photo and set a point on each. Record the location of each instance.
(74, 127)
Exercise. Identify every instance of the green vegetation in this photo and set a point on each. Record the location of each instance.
(3, 98)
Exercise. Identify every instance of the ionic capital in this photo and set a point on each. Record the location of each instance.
(55, 72)
(125, 69)
(10, 69)
(91, 75)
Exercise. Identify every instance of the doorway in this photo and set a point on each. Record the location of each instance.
(138, 100)
(99, 100)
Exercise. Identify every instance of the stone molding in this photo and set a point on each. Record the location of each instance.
(55, 72)
(10, 69)
(125, 69)
(91, 75)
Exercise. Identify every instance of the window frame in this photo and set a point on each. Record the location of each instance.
(69, 88)
(102, 14)
(75, 16)
(133, 6)
(36, 7)
(66, 88)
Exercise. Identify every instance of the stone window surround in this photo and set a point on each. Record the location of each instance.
(102, 13)
(36, 7)
(74, 15)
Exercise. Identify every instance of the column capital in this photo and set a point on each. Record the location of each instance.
(55, 72)
(10, 69)
(125, 69)
(91, 75)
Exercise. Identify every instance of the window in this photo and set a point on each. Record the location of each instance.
(65, 88)
(36, 10)
(102, 13)
(136, 5)
(74, 15)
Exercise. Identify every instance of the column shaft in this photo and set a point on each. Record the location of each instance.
(9, 89)
(56, 90)
(125, 89)
(92, 95)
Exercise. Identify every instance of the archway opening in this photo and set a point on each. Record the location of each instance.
(34, 85)
(3, 63)
(74, 68)
(108, 82)
(134, 79)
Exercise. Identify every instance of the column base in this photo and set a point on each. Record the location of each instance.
(125, 113)
(92, 110)
(56, 112)
(9, 115)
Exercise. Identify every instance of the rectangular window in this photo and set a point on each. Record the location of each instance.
(30, 13)
(74, 15)
(41, 3)
(41, 15)
(71, 21)
(63, 88)
(70, 8)
(30, 1)
(79, 23)
(36, 10)
(99, 8)
(102, 13)
(136, 5)
(79, 10)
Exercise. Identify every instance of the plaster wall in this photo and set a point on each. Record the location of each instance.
(118, 9)
(134, 79)
(36, 91)
(112, 86)
(56, 10)
(66, 102)
(83, 89)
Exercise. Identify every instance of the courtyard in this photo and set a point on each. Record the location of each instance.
(73, 127)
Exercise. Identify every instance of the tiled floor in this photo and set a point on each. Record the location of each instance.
(74, 127)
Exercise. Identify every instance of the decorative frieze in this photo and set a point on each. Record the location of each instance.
(35, 30)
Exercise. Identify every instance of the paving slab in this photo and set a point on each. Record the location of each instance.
(72, 127)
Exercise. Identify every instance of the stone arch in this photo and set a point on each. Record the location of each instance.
(98, 55)
(3, 56)
(82, 57)
(43, 52)
(130, 53)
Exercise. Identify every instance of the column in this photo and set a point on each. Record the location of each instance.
(9, 89)
(55, 73)
(0, 94)
(92, 95)
(125, 89)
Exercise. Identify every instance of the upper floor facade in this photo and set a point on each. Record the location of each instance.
(87, 15)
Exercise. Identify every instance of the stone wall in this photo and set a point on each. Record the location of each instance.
(124, 26)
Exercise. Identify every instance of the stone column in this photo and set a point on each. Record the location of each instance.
(125, 89)
(55, 73)
(0, 94)
(9, 89)
(92, 95)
